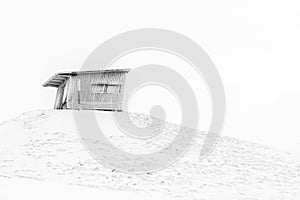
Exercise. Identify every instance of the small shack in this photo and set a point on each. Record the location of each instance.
(89, 90)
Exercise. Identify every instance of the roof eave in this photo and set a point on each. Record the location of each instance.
(65, 75)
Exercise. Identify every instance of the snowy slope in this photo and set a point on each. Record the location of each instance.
(20, 188)
(43, 146)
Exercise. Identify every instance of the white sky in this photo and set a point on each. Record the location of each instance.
(254, 44)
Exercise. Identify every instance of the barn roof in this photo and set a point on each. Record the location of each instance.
(60, 78)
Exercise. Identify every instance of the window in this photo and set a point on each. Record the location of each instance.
(106, 88)
(113, 89)
(98, 88)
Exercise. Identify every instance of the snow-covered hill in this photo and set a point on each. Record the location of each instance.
(43, 145)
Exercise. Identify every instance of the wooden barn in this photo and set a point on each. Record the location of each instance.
(88, 90)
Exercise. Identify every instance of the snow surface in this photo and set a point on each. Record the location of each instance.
(41, 153)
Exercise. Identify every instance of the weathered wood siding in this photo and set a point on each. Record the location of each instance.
(97, 91)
